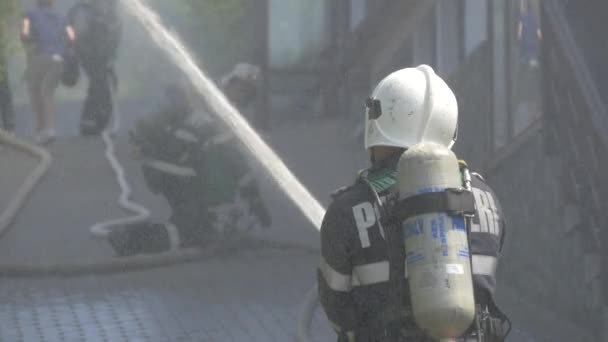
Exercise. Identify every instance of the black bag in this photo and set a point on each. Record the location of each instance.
(71, 69)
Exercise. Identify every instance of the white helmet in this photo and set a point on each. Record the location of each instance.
(410, 106)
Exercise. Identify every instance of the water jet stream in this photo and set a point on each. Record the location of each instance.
(220, 106)
(269, 160)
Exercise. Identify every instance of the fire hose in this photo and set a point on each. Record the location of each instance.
(18, 200)
(141, 213)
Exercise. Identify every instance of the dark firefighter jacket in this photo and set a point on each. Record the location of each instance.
(354, 269)
(178, 153)
(98, 32)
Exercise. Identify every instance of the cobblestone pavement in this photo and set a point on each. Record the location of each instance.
(247, 296)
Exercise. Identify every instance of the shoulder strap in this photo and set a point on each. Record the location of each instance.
(452, 201)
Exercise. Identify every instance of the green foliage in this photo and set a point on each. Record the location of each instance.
(8, 9)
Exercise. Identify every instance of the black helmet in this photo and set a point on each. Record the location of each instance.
(241, 84)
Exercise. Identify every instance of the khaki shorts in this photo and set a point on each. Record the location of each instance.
(43, 75)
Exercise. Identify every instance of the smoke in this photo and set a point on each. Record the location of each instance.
(298, 32)
(226, 112)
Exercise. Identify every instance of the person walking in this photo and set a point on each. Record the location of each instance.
(98, 29)
(363, 284)
(46, 35)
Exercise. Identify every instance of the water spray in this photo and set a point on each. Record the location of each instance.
(288, 183)
(298, 194)
(221, 107)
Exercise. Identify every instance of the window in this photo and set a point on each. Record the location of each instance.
(297, 31)
(475, 24)
(358, 12)
(525, 38)
(500, 128)
(448, 37)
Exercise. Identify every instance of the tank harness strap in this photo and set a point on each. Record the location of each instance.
(452, 201)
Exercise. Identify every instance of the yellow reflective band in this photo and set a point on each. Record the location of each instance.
(369, 274)
(484, 265)
(218, 140)
(363, 275)
(171, 168)
(335, 280)
(185, 135)
(378, 272)
(336, 327)
(374, 273)
(350, 335)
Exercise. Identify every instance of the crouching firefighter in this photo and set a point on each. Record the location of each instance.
(196, 165)
(409, 251)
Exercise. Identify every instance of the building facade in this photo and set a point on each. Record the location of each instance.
(531, 120)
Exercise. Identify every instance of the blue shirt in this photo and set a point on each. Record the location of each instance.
(48, 30)
(529, 29)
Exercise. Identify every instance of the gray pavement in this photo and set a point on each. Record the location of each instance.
(53, 226)
(13, 172)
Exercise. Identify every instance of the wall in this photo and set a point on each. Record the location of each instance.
(551, 182)
(575, 137)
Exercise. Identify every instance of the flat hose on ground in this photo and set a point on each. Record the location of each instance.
(141, 213)
(143, 262)
(18, 200)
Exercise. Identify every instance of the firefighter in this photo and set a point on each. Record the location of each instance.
(409, 106)
(195, 164)
(98, 33)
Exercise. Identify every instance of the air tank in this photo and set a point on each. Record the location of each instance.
(438, 261)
